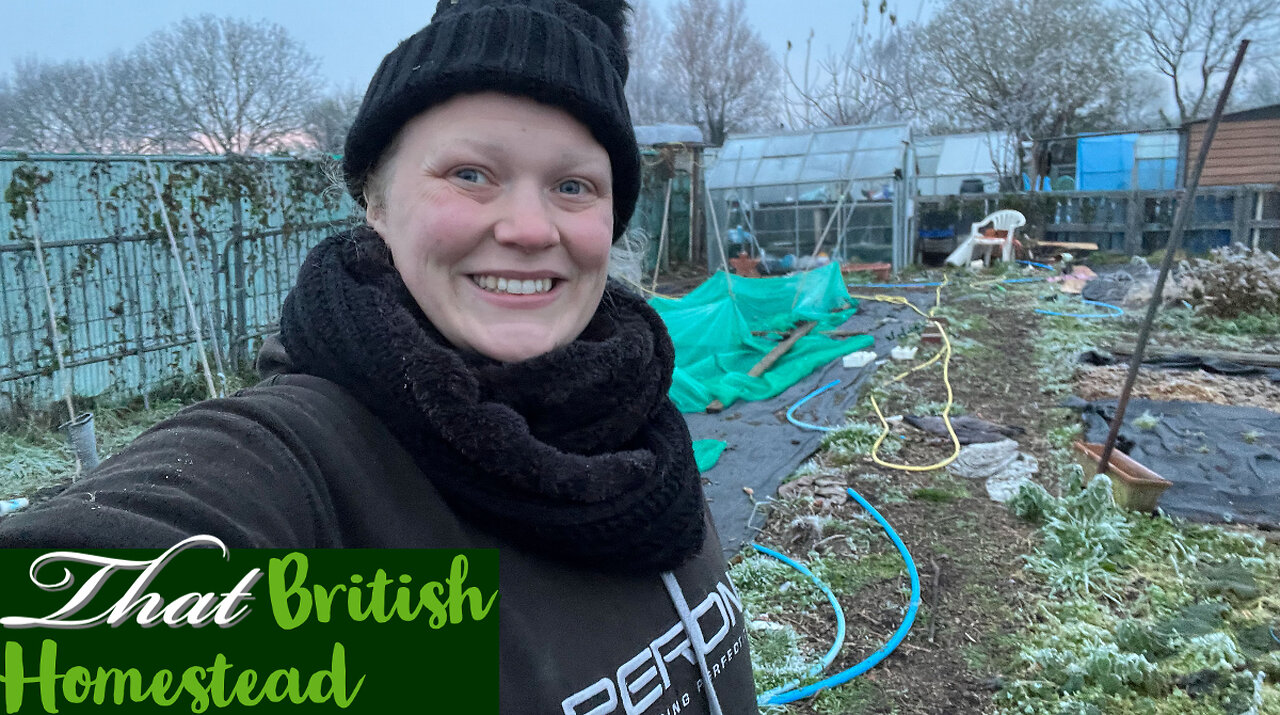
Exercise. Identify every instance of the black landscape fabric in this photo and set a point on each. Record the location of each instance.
(1186, 362)
(1224, 462)
(764, 447)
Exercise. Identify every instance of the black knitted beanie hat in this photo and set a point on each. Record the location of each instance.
(570, 54)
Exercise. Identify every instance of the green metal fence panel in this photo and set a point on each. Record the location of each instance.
(242, 227)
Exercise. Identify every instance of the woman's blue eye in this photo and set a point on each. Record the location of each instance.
(470, 175)
(572, 186)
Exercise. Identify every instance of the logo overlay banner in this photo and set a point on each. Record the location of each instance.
(200, 628)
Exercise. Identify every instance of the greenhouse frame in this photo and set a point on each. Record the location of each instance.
(789, 197)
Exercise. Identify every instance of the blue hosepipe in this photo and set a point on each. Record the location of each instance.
(845, 676)
(1037, 265)
(806, 398)
(1035, 279)
(1273, 635)
(835, 604)
(1118, 311)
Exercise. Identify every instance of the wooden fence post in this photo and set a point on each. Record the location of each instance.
(1240, 214)
(1135, 217)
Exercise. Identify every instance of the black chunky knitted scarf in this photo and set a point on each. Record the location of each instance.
(577, 454)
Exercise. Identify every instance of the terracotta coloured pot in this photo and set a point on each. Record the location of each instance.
(1134, 486)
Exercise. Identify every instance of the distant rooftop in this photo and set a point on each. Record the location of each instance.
(839, 154)
(654, 134)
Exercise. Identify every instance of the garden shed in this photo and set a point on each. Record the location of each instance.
(790, 196)
(671, 155)
(1245, 149)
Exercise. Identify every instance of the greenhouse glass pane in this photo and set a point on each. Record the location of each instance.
(882, 137)
(720, 175)
(788, 144)
(746, 173)
(929, 147)
(768, 195)
(778, 170)
(824, 166)
(1157, 146)
(744, 148)
(927, 165)
(822, 193)
(827, 142)
(877, 162)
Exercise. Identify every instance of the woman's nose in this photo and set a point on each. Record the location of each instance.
(526, 220)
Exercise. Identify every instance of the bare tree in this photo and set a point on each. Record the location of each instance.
(76, 106)
(329, 118)
(1045, 68)
(1260, 88)
(723, 66)
(875, 78)
(1138, 103)
(651, 96)
(1192, 42)
(227, 85)
(6, 115)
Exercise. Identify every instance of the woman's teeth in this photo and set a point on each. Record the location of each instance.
(513, 286)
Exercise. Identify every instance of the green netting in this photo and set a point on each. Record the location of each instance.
(715, 348)
(706, 452)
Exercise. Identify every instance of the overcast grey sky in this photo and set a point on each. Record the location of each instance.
(349, 38)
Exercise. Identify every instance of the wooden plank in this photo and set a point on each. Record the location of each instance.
(773, 356)
(1251, 154)
(1068, 245)
(1268, 133)
(1262, 359)
(1256, 125)
(1245, 152)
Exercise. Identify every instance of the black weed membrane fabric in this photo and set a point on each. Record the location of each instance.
(1188, 362)
(764, 448)
(1224, 462)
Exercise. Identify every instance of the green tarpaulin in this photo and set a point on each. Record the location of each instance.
(712, 328)
(706, 452)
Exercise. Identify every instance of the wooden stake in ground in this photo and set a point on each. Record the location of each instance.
(54, 334)
(182, 277)
(767, 361)
(1180, 219)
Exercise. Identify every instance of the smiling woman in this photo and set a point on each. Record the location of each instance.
(459, 373)
(502, 242)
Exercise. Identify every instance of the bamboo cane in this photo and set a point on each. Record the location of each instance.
(182, 278)
(54, 334)
(193, 247)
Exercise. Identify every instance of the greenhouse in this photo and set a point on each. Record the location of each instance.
(790, 198)
(981, 162)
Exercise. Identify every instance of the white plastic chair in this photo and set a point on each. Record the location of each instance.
(1003, 220)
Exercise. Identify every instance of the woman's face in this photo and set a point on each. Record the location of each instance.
(498, 212)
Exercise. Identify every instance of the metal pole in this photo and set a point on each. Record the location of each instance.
(1180, 219)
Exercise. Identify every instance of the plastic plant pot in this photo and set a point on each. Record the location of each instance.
(1133, 485)
(83, 441)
